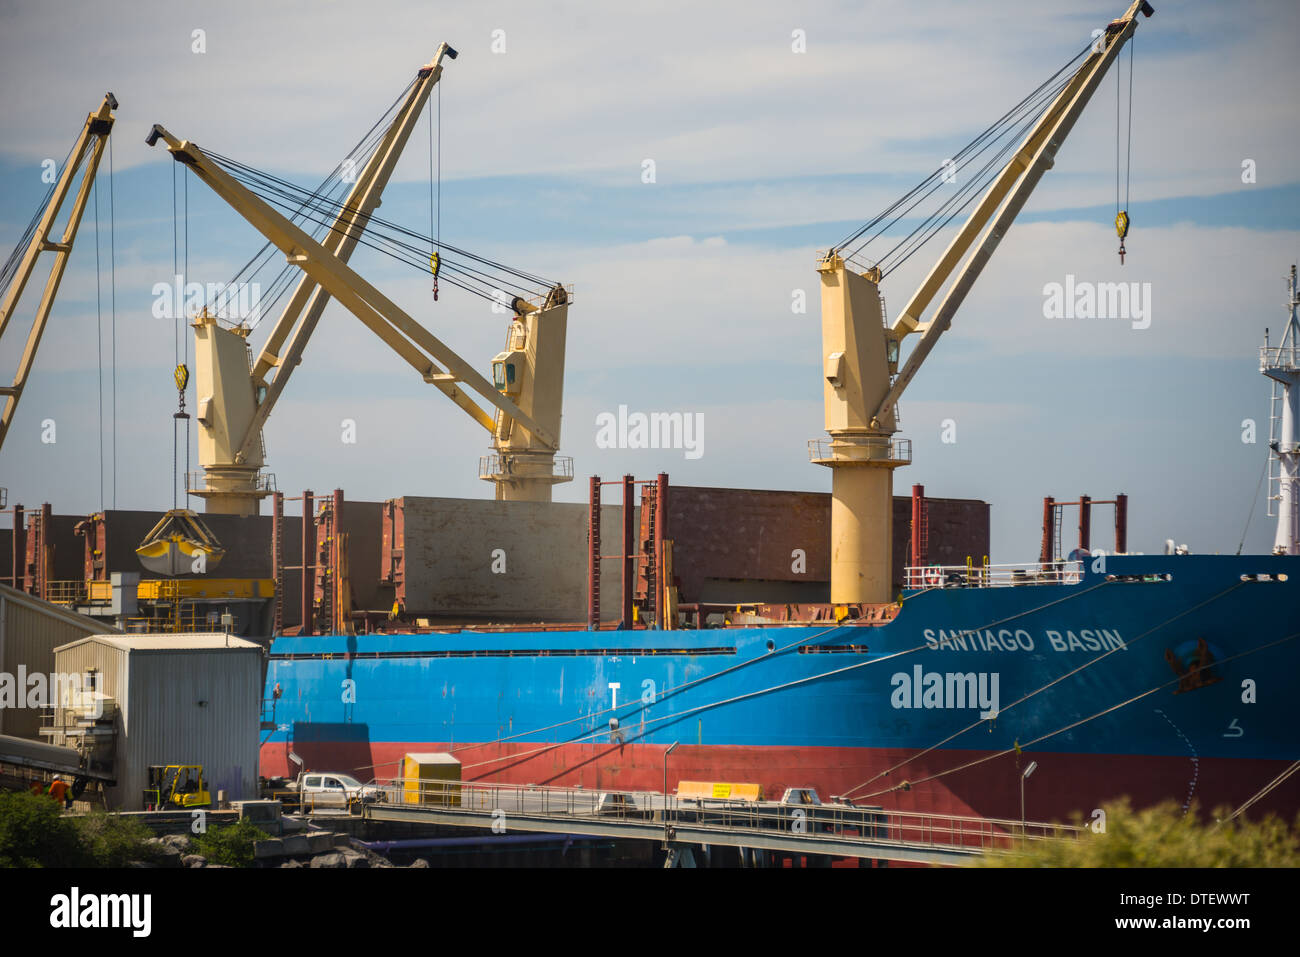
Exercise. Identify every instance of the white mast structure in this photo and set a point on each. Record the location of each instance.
(1281, 363)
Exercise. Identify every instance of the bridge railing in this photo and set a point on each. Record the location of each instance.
(833, 821)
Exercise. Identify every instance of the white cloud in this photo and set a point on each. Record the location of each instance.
(713, 93)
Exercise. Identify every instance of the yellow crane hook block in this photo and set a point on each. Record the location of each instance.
(177, 543)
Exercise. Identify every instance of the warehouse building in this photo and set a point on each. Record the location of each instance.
(183, 699)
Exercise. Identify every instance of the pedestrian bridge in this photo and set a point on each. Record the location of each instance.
(830, 830)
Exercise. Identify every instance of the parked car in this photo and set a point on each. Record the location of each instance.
(324, 789)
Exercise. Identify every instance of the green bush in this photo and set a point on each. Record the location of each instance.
(231, 845)
(35, 833)
(1162, 836)
(111, 840)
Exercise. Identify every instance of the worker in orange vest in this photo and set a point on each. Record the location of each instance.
(59, 791)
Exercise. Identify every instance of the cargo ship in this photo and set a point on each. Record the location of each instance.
(917, 683)
(1152, 677)
(1166, 677)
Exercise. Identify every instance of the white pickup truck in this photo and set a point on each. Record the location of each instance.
(322, 789)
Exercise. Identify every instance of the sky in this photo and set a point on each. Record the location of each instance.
(684, 287)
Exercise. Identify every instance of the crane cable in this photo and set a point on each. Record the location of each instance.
(435, 226)
(359, 155)
(112, 300)
(954, 206)
(301, 203)
(176, 332)
(181, 373)
(1253, 502)
(99, 346)
(1261, 793)
(1016, 125)
(976, 184)
(1121, 213)
(993, 132)
(373, 231)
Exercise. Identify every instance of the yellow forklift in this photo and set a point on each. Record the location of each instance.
(174, 786)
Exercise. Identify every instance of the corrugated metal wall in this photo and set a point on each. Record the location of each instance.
(30, 630)
(161, 720)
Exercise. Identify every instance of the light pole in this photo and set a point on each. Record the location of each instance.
(671, 748)
(1029, 769)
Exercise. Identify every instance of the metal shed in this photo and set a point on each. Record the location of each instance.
(181, 699)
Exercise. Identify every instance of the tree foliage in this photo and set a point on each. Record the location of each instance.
(1162, 836)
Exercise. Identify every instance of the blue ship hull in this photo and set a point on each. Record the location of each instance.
(1164, 678)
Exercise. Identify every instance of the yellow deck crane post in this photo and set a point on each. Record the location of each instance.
(86, 151)
(234, 401)
(861, 351)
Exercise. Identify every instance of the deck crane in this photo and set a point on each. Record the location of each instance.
(86, 152)
(863, 380)
(233, 402)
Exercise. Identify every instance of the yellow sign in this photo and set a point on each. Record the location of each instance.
(719, 790)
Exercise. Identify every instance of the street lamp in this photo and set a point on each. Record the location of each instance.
(1029, 769)
(671, 748)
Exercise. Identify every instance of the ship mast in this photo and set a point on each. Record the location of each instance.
(1281, 363)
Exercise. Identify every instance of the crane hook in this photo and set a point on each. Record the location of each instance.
(435, 263)
(1121, 228)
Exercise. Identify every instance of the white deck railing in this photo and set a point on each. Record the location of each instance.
(992, 576)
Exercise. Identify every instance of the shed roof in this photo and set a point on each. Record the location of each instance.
(213, 641)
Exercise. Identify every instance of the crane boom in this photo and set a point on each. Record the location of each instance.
(87, 150)
(1037, 154)
(341, 239)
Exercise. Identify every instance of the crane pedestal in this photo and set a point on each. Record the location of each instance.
(859, 356)
(230, 489)
(862, 509)
(525, 476)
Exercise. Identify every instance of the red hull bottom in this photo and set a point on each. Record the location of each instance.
(1062, 785)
